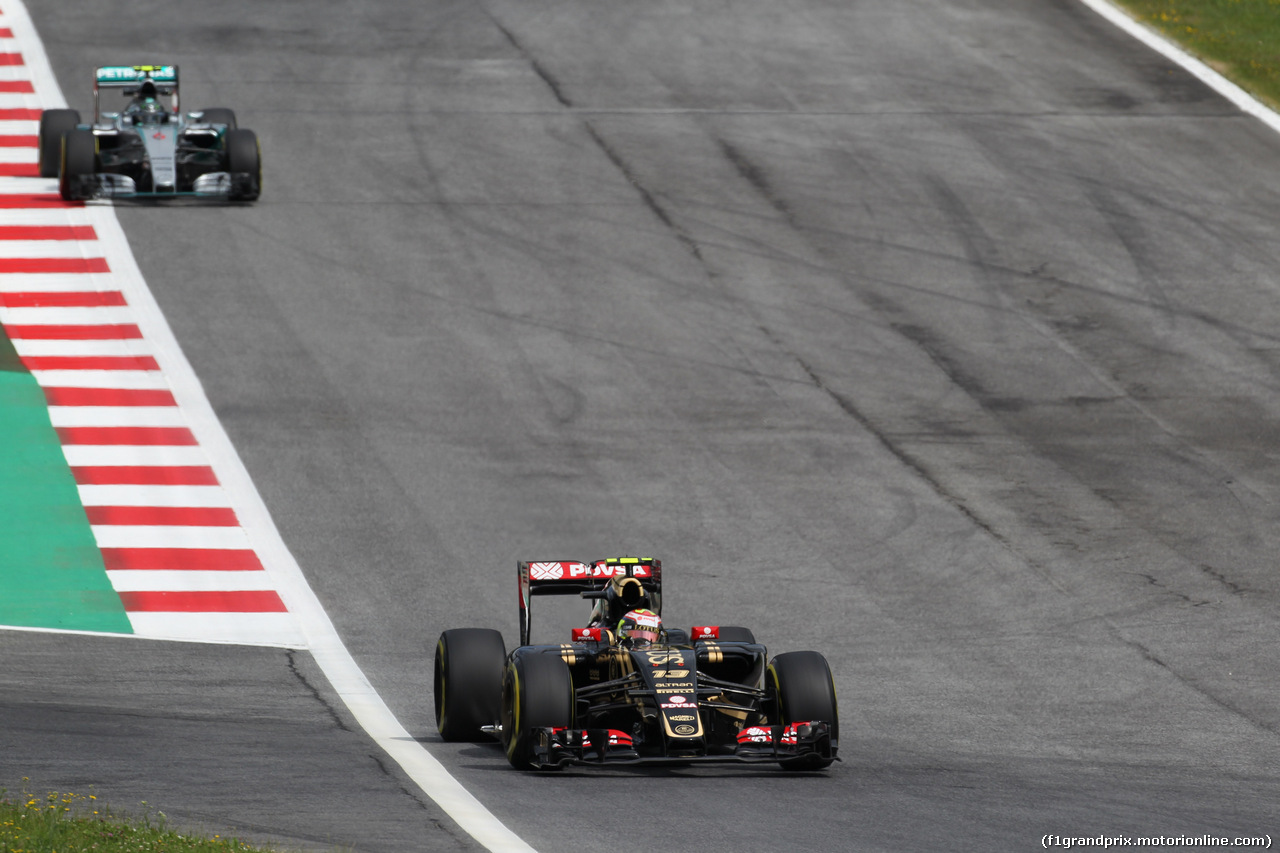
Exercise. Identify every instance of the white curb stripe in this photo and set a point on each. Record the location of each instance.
(174, 496)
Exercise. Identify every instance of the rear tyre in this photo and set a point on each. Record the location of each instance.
(54, 124)
(79, 163)
(219, 115)
(468, 682)
(736, 634)
(537, 692)
(244, 162)
(801, 689)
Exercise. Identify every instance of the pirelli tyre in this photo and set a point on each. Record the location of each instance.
(537, 692)
(79, 164)
(468, 682)
(219, 115)
(799, 688)
(244, 162)
(736, 634)
(54, 124)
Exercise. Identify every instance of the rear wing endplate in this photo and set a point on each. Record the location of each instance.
(573, 577)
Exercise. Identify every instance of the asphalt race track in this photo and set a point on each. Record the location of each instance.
(940, 337)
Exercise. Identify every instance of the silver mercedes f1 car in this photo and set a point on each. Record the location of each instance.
(150, 148)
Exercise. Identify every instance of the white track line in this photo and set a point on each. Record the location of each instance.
(348, 680)
(1157, 42)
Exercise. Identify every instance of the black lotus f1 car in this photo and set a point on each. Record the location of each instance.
(150, 149)
(692, 696)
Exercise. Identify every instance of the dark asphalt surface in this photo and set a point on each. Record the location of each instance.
(936, 336)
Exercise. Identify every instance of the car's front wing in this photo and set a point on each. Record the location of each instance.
(555, 747)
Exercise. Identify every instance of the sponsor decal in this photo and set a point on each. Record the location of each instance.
(755, 734)
(559, 571)
(674, 687)
(159, 134)
(684, 729)
(583, 635)
(706, 632)
(676, 702)
(665, 657)
(681, 718)
(546, 571)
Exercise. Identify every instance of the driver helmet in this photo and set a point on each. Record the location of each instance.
(149, 111)
(146, 107)
(641, 627)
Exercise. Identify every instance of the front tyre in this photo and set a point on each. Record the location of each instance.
(79, 164)
(801, 689)
(468, 682)
(244, 162)
(219, 115)
(54, 124)
(537, 692)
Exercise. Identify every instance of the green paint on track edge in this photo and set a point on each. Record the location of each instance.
(51, 572)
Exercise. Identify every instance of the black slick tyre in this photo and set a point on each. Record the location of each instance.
(801, 689)
(244, 162)
(537, 692)
(736, 634)
(79, 163)
(54, 124)
(468, 682)
(219, 115)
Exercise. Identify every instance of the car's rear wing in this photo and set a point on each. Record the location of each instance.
(130, 77)
(572, 577)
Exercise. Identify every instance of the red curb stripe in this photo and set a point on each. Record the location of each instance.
(60, 396)
(19, 170)
(244, 601)
(80, 299)
(11, 58)
(144, 475)
(47, 232)
(6, 33)
(53, 265)
(180, 559)
(10, 201)
(20, 86)
(196, 516)
(90, 362)
(104, 332)
(19, 140)
(19, 114)
(128, 436)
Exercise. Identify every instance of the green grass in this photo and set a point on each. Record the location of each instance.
(1240, 39)
(60, 823)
